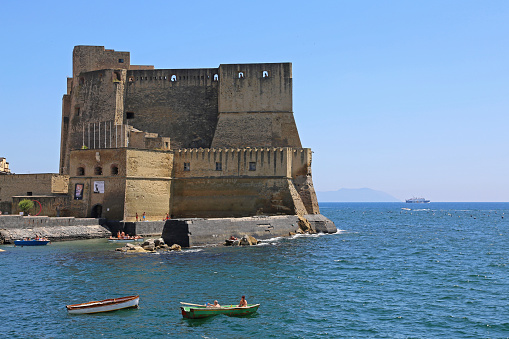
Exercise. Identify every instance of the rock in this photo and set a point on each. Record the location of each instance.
(159, 242)
(175, 247)
(291, 233)
(148, 242)
(305, 226)
(150, 247)
(232, 242)
(248, 240)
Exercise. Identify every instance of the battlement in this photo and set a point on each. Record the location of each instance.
(284, 162)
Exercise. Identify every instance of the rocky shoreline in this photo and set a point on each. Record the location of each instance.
(182, 232)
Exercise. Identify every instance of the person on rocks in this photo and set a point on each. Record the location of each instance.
(243, 302)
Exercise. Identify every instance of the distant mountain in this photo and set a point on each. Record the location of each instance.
(355, 195)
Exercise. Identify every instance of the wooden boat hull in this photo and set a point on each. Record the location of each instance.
(199, 312)
(106, 305)
(31, 242)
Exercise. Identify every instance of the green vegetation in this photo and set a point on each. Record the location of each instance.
(26, 205)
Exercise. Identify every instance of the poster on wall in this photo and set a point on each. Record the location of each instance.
(78, 192)
(98, 186)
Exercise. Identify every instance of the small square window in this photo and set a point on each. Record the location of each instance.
(219, 166)
(129, 115)
(121, 61)
(187, 166)
(252, 166)
(29, 194)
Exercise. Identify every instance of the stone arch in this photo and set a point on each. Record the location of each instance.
(96, 211)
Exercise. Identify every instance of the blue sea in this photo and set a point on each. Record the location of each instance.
(439, 270)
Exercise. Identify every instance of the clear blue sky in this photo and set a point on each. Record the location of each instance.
(406, 97)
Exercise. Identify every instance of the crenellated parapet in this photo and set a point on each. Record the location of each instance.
(284, 162)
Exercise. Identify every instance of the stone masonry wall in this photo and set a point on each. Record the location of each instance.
(183, 109)
(255, 106)
(37, 184)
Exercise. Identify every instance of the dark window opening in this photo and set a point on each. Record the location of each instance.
(121, 61)
(167, 144)
(98, 170)
(252, 166)
(114, 170)
(129, 115)
(117, 76)
(29, 194)
(187, 166)
(80, 171)
(77, 111)
(66, 120)
(219, 166)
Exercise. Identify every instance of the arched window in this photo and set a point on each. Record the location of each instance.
(173, 77)
(216, 77)
(241, 75)
(80, 171)
(114, 170)
(265, 74)
(98, 170)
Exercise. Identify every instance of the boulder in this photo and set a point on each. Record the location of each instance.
(159, 242)
(175, 247)
(148, 242)
(232, 242)
(149, 247)
(248, 240)
(305, 226)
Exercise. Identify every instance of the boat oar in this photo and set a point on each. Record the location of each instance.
(191, 304)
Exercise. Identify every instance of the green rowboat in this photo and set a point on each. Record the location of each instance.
(198, 312)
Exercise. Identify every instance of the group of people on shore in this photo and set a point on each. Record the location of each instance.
(242, 303)
(144, 217)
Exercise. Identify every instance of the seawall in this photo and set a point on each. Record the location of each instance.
(196, 231)
(13, 227)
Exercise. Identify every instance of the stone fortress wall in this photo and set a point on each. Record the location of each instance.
(189, 143)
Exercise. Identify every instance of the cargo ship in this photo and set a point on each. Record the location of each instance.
(417, 201)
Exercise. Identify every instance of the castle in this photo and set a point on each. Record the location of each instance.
(187, 143)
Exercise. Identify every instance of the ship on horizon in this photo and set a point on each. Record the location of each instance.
(417, 201)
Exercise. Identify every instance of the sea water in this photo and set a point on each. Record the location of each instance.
(439, 270)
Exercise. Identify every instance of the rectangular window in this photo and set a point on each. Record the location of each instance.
(219, 166)
(187, 166)
(29, 194)
(121, 61)
(77, 111)
(252, 166)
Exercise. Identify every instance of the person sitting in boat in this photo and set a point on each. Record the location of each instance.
(243, 302)
(215, 304)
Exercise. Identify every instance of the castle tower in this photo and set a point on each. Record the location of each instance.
(255, 106)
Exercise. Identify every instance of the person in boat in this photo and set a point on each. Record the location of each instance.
(215, 304)
(243, 301)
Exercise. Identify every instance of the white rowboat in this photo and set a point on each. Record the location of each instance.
(106, 305)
